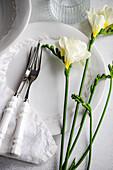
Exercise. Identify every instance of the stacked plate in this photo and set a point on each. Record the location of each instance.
(14, 17)
(47, 93)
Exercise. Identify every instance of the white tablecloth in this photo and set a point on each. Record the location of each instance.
(102, 157)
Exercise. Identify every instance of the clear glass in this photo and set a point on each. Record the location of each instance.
(69, 11)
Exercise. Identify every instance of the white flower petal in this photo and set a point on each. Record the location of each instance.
(73, 50)
(90, 15)
(108, 14)
(96, 21)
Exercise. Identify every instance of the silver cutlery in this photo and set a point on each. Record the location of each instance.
(13, 102)
(19, 131)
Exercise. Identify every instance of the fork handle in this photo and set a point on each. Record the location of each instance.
(19, 131)
(7, 115)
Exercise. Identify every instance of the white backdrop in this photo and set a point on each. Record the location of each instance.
(102, 157)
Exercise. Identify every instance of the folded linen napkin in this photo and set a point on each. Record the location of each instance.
(38, 145)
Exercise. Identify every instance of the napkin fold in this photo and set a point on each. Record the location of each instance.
(38, 145)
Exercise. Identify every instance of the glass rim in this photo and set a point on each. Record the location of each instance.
(71, 6)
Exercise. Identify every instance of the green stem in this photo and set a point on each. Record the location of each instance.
(98, 126)
(107, 32)
(76, 110)
(72, 165)
(93, 86)
(104, 31)
(82, 123)
(64, 119)
(75, 117)
(88, 107)
(90, 141)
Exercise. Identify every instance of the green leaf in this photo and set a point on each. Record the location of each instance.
(67, 71)
(80, 100)
(54, 50)
(72, 165)
(98, 78)
(91, 88)
(111, 70)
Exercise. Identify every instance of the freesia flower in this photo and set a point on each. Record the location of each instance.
(72, 50)
(96, 21)
(108, 15)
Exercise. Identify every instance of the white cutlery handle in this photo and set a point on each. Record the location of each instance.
(19, 131)
(7, 115)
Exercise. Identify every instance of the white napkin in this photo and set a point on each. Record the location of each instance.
(38, 145)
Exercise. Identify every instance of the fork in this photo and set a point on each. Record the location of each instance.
(19, 131)
(12, 103)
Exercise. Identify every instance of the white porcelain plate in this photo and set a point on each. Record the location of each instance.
(47, 92)
(14, 16)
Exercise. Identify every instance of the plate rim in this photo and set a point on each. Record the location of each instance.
(86, 38)
(22, 30)
(74, 28)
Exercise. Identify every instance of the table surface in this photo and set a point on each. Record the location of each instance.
(102, 157)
